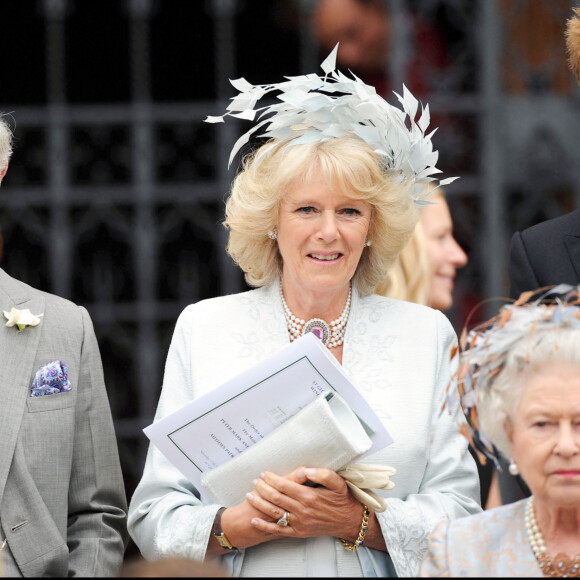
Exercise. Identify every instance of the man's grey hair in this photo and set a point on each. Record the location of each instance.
(5, 142)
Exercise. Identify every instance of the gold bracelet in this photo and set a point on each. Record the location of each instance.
(352, 546)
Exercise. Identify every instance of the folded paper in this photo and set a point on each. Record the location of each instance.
(325, 433)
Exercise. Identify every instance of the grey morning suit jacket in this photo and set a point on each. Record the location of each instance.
(62, 499)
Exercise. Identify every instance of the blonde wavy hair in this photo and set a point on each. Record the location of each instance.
(410, 276)
(348, 163)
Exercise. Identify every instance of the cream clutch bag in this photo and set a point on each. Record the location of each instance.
(324, 433)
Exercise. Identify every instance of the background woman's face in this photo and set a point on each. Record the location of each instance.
(321, 236)
(545, 433)
(361, 28)
(443, 252)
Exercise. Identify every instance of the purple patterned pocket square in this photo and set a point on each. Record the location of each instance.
(50, 379)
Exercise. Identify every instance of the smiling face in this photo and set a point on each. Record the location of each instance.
(444, 253)
(544, 435)
(321, 236)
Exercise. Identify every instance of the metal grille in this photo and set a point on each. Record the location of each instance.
(115, 193)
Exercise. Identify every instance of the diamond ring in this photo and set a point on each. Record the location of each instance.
(284, 520)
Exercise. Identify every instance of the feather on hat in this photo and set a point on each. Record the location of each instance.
(313, 108)
(485, 348)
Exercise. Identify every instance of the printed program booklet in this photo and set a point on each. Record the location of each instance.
(221, 424)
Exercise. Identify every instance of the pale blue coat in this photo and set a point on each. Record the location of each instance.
(396, 353)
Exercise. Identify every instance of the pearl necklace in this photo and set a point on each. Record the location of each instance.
(332, 335)
(562, 565)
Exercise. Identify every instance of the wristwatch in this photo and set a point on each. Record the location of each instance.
(218, 532)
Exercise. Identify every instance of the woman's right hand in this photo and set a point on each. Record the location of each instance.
(236, 521)
(236, 525)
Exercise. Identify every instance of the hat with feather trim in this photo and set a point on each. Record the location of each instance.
(314, 108)
(484, 350)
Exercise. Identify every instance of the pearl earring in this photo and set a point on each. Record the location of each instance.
(367, 243)
(273, 234)
(513, 468)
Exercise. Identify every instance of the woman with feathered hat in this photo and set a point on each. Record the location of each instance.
(316, 216)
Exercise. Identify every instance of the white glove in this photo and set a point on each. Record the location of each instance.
(361, 477)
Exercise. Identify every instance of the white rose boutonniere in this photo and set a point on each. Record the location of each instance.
(21, 318)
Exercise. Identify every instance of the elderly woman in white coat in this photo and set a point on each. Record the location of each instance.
(315, 220)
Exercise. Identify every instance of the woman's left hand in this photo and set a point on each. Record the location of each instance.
(327, 510)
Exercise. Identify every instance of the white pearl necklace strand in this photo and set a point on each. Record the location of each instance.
(332, 335)
(534, 534)
(561, 565)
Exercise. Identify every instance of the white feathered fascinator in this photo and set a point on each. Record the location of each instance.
(314, 108)
(485, 349)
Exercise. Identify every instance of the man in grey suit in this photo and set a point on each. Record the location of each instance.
(62, 498)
